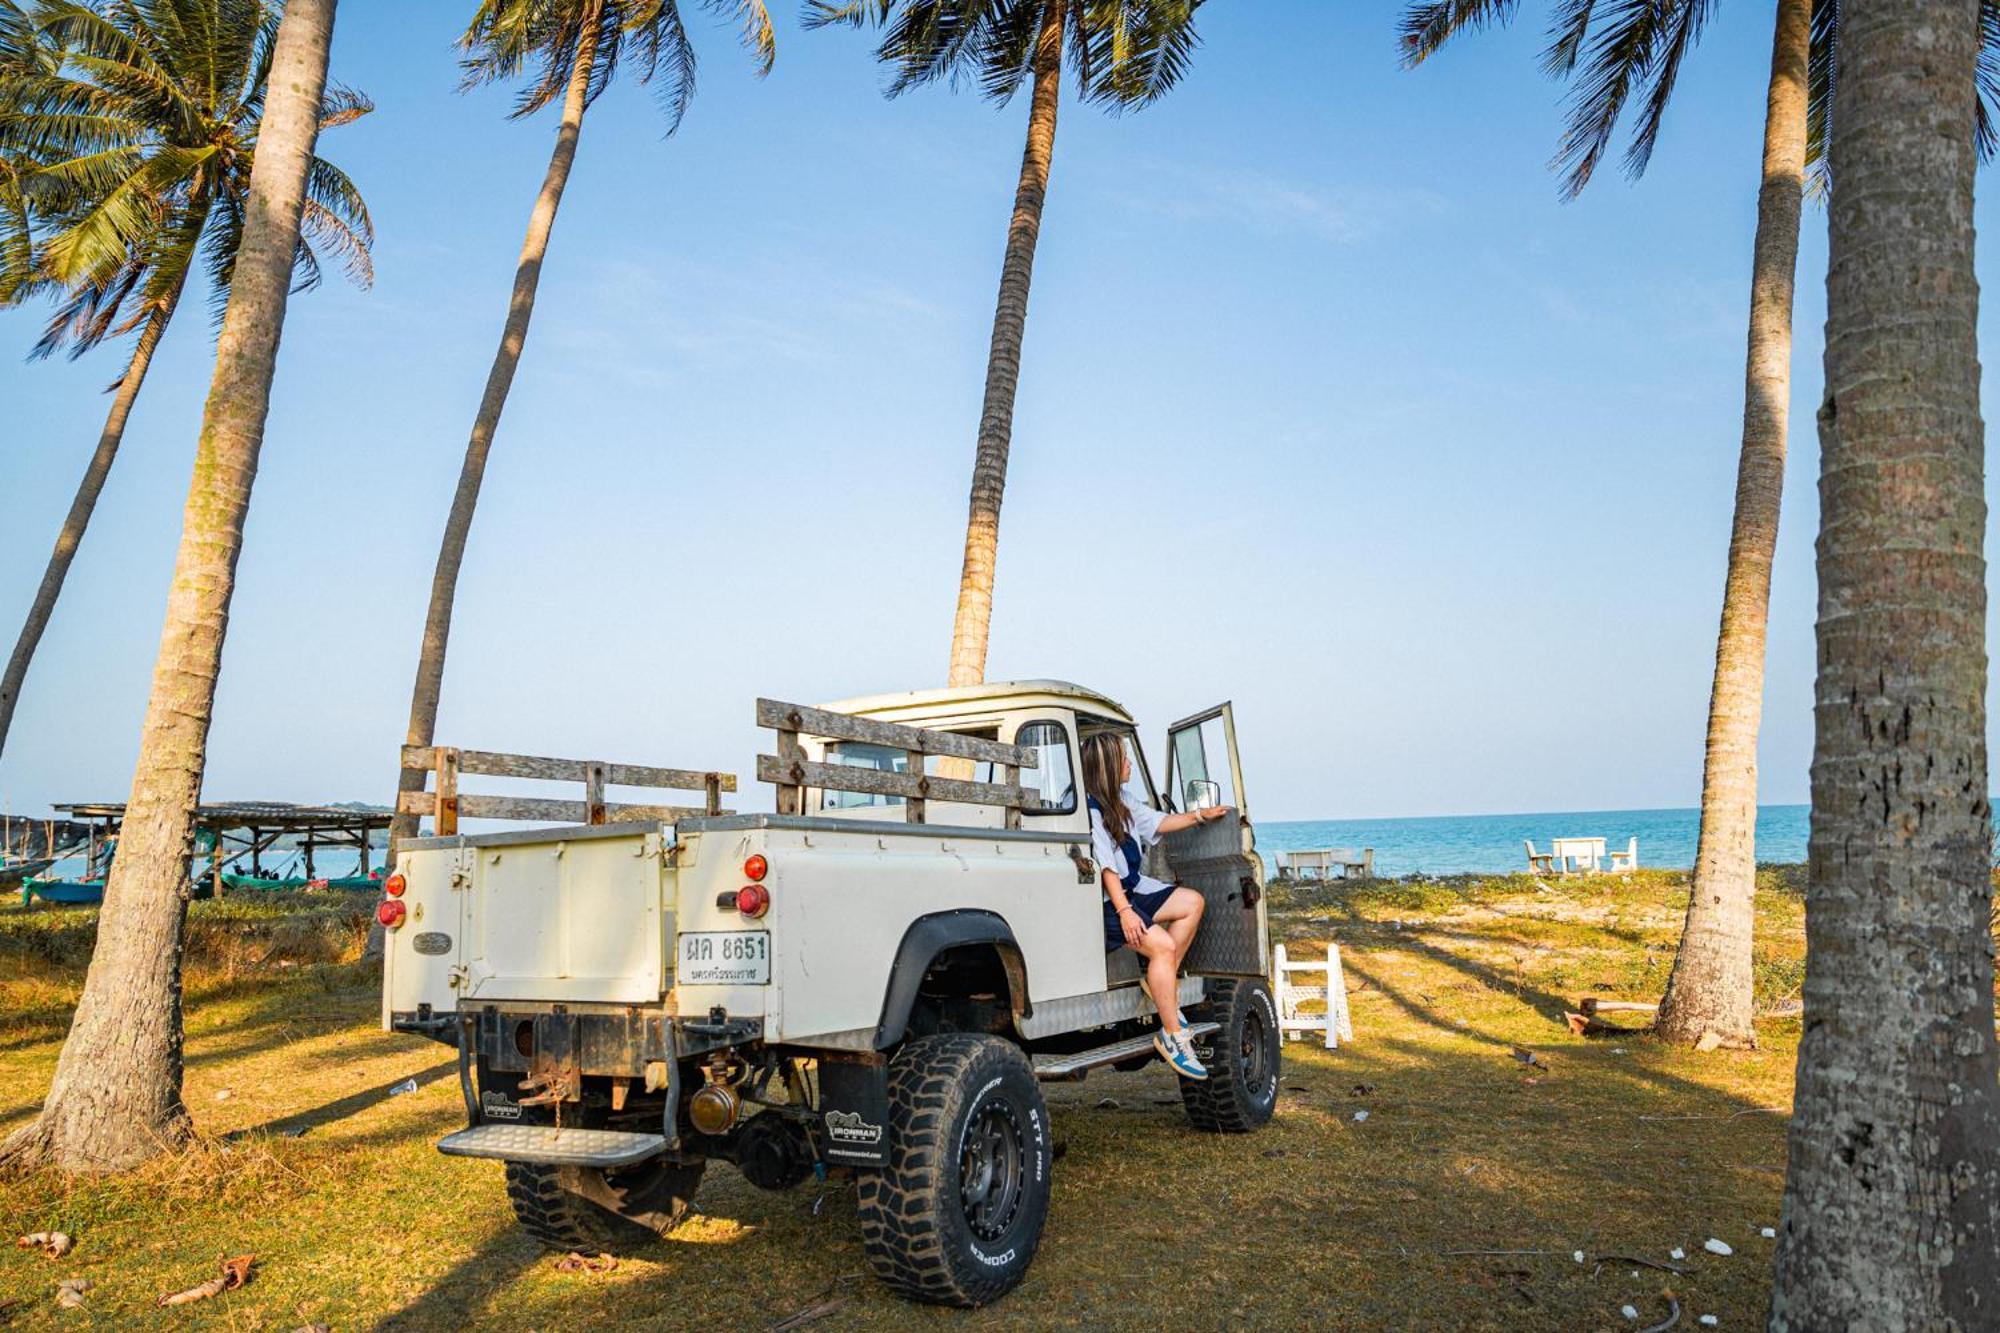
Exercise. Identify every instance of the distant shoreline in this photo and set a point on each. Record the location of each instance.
(1493, 844)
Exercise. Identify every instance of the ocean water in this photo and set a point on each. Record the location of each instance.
(1484, 844)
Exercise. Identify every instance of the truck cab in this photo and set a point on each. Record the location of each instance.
(649, 988)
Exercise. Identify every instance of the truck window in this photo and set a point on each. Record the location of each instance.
(888, 759)
(1054, 777)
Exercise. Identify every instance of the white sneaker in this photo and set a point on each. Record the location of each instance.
(1178, 1052)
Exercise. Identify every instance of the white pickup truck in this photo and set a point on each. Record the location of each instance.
(874, 979)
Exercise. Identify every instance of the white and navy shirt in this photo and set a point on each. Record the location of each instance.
(1143, 823)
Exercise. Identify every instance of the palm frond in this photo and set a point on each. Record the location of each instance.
(1621, 56)
(1429, 24)
(342, 106)
(665, 56)
(1569, 26)
(1124, 54)
(1986, 110)
(1137, 55)
(1684, 26)
(852, 14)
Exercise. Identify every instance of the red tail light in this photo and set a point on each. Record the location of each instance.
(756, 867)
(394, 886)
(390, 913)
(753, 900)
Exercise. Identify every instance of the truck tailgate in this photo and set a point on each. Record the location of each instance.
(576, 914)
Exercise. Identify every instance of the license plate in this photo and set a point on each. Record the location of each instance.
(724, 958)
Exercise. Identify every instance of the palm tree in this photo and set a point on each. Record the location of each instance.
(134, 163)
(1892, 1188)
(575, 46)
(1124, 54)
(1637, 51)
(116, 1096)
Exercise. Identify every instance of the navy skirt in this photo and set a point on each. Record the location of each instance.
(1143, 902)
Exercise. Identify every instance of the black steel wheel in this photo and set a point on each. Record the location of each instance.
(955, 1217)
(1241, 1090)
(596, 1211)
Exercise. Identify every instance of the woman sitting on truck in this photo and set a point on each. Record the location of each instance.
(1154, 919)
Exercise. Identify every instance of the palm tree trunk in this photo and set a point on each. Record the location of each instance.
(1892, 1190)
(116, 1096)
(80, 510)
(1710, 990)
(1003, 362)
(513, 336)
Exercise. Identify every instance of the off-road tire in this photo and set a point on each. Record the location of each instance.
(593, 1211)
(1241, 1090)
(957, 1100)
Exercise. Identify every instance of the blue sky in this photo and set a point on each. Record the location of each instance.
(1328, 406)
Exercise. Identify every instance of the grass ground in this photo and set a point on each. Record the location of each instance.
(1458, 1202)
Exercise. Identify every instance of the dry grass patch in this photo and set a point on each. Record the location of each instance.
(1614, 1147)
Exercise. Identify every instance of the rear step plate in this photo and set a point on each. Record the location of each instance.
(550, 1146)
(1051, 1068)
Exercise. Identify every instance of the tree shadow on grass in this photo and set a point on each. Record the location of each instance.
(292, 1126)
(455, 1300)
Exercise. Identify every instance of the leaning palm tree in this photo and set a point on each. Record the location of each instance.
(1635, 49)
(1892, 1185)
(575, 47)
(1124, 55)
(116, 1096)
(134, 156)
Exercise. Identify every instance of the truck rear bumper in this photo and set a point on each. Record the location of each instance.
(548, 1145)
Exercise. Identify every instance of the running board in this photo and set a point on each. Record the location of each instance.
(1054, 1068)
(547, 1145)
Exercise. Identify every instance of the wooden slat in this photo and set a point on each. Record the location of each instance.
(533, 808)
(446, 808)
(844, 727)
(493, 763)
(875, 782)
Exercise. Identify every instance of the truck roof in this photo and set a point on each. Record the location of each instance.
(964, 699)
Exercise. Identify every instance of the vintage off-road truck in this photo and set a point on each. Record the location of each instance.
(873, 979)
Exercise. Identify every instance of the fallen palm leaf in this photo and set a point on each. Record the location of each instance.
(579, 1263)
(54, 1244)
(235, 1272)
(810, 1315)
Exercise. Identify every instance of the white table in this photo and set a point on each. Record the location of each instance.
(1577, 854)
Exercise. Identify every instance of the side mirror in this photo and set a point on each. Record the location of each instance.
(1202, 792)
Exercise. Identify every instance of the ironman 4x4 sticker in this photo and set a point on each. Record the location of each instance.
(496, 1106)
(847, 1127)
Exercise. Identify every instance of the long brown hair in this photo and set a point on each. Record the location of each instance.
(1103, 762)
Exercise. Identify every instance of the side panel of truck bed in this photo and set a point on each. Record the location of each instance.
(843, 893)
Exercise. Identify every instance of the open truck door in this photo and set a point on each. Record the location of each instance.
(1217, 859)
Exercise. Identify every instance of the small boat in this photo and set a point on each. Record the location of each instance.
(291, 876)
(63, 892)
(75, 878)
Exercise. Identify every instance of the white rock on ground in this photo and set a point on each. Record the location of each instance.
(1677, 1253)
(1768, 1233)
(1629, 1311)
(1708, 1321)
(1714, 1246)
(1578, 1256)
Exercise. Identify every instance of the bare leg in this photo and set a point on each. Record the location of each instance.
(1181, 915)
(1162, 975)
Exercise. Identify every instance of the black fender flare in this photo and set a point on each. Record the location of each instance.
(929, 936)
